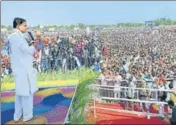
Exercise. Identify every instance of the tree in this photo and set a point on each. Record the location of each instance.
(9, 28)
(71, 26)
(2, 26)
(81, 25)
(164, 21)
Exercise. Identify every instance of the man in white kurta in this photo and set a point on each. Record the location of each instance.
(24, 75)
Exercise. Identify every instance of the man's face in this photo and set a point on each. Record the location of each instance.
(38, 37)
(171, 107)
(23, 27)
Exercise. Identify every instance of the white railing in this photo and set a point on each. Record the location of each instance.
(121, 87)
(110, 92)
(67, 115)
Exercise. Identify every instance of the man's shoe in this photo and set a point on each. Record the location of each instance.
(16, 121)
(30, 120)
(161, 118)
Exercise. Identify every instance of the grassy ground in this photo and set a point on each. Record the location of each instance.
(54, 79)
(69, 75)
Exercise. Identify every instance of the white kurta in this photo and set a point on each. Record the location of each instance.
(22, 64)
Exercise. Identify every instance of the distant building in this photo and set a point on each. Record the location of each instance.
(51, 29)
(76, 28)
(4, 30)
(41, 27)
(150, 24)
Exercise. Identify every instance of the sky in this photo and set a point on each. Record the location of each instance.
(89, 12)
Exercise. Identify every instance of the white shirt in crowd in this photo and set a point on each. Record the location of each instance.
(117, 84)
(102, 78)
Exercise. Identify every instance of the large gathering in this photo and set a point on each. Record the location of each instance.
(145, 57)
(135, 69)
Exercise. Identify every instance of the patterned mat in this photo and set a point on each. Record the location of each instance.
(50, 105)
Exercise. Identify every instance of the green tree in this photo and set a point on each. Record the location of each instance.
(165, 21)
(81, 25)
(3, 26)
(71, 26)
(9, 28)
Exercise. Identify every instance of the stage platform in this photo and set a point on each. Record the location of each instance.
(51, 105)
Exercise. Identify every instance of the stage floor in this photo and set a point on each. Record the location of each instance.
(50, 105)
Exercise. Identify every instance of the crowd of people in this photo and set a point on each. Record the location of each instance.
(60, 50)
(140, 58)
(144, 57)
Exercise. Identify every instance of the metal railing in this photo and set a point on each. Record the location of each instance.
(68, 112)
(111, 92)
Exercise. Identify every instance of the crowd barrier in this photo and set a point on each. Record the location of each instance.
(110, 92)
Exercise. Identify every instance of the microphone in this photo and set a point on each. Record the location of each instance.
(29, 38)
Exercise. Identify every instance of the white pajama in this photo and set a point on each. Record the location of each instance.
(23, 106)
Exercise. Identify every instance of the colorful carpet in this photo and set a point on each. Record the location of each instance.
(50, 105)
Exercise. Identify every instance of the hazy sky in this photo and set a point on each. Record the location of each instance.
(66, 13)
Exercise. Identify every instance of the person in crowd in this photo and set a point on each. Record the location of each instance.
(44, 64)
(144, 95)
(117, 89)
(96, 67)
(172, 118)
(39, 45)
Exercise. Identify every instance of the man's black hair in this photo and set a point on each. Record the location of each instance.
(18, 21)
(171, 85)
(170, 102)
